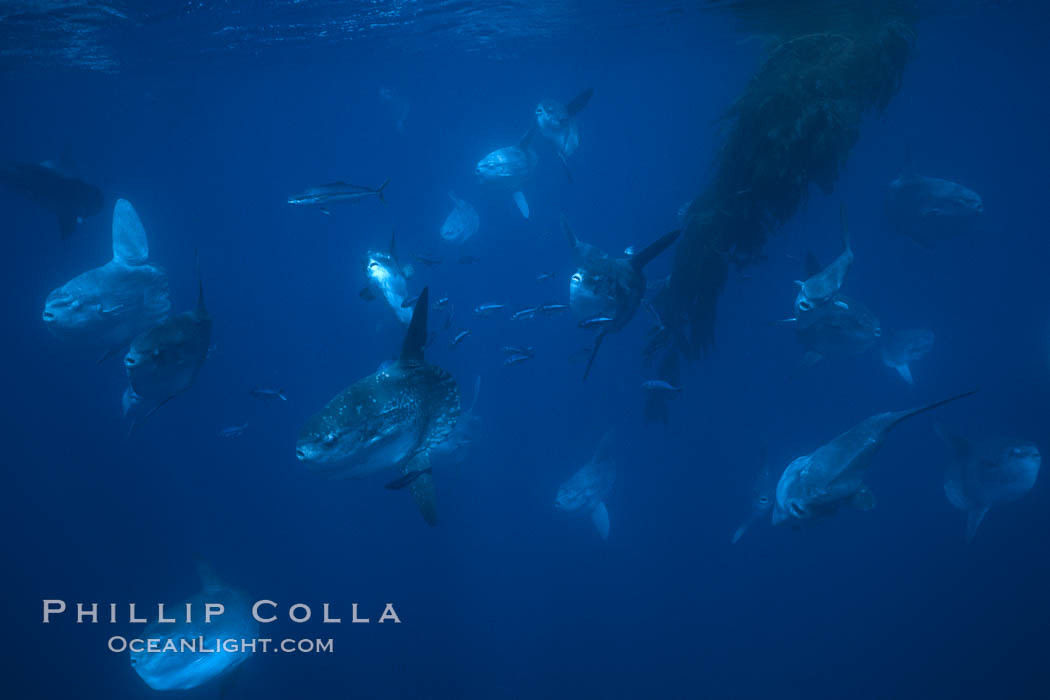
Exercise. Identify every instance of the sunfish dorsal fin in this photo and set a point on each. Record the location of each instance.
(646, 255)
(209, 580)
(416, 337)
(129, 237)
(579, 102)
(569, 233)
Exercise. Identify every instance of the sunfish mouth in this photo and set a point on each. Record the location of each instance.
(129, 361)
(300, 455)
(48, 317)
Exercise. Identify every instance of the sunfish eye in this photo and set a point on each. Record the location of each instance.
(329, 438)
(763, 500)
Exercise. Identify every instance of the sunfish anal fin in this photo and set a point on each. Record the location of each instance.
(600, 518)
(523, 206)
(974, 516)
(905, 373)
(422, 488)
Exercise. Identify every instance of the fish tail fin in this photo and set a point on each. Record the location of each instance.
(600, 518)
(974, 516)
(379, 191)
(646, 255)
(594, 353)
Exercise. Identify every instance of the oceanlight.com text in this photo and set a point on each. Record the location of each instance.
(232, 645)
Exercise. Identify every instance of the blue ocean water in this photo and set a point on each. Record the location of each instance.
(207, 116)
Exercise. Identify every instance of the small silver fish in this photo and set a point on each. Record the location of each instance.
(440, 303)
(261, 393)
(234, 430)
(596, 322)
(659, 385)
(516, 359)
(543, 276)
(459, 338)
(524, 314)
(551, 309)
(515, 350)
(410, 302)
(485, 310)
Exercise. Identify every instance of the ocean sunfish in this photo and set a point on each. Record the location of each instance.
(987, 473)
(390, 420)
(901, 348)
(821, 287)
(509, 168)
(461, 223)
(55, 186)
(605, 292)
(762, 493)
(586, 490)
(929, 210)
(178, 669)
(388, 279)
(104, 308)
(818, 484)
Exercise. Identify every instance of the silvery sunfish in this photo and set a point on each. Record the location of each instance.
(929, 210)
(461, 223)
(55, 186)
(901, 348)
(164, 361)
(821, 288)
(557, 123)
(509, 168)
(587, 489)
(388, 278)
(324, 196)
(608, 288)
(106, 307)
(987, 473)
(761, 495)
(819, 483)
(390, 420)
(173, 668)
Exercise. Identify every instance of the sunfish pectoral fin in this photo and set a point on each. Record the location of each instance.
(565, 165)
(740, 531)
(523, 205)
(905, 373)
(422, 487)
(600, 518)
(974, 516)
(129, 237)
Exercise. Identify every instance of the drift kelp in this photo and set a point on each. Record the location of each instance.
(830, 64)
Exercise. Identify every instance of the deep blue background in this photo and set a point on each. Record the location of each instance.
(504, 599)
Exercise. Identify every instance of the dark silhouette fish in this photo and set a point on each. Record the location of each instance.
(987, 473)
(391, 419)
(54, 186)
(164, 361)
(608, 288)
(818, 484)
